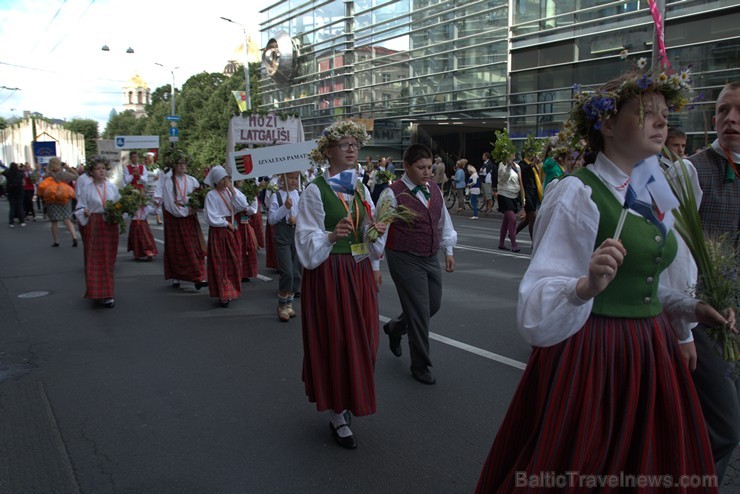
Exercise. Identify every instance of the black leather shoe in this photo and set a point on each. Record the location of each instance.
(394, 340)
(200, 284)
(423, 375)
(348, 442)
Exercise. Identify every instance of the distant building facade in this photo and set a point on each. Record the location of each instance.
(448, 73)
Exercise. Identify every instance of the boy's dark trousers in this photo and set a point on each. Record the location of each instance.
(287, 258)
(418, 282)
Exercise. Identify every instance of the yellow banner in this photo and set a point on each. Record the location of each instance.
(241, 99)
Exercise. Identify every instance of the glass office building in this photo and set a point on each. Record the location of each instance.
(449, 72)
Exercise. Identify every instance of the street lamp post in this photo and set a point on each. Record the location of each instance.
(172, 98)
(246, 62)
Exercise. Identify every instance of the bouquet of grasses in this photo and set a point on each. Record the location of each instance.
(386, 213)
(384, 177)
(716, 261)
(250, 189)
(114, 214)
(132, 199)
(197, 198)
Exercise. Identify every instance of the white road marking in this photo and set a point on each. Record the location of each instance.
(469, 348)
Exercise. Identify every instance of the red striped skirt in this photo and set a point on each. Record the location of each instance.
(249, 252)
(270, 247)
(184, 259)
(615, 398)
(140, 239)
(100, 243)
(339, 315)
(256, 222)
(224, 263)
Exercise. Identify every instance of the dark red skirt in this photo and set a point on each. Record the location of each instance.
(100, 243)
(616, 398)
(140, 239)
(224, 263)
(256, 221)
(249, 251)
(270, 247)
(184, 259)
(339, 315)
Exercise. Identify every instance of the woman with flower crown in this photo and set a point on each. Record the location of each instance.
(99, 237)
(607, 391)
(341, 277)
(184, 253)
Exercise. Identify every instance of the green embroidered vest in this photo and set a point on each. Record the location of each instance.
(634, 291)
(334, 211)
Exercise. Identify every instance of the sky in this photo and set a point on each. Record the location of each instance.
(51, 60)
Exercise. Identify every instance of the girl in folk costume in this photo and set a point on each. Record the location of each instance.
(100, 238)
(339, 313)
(224, 244)
(607, 390)
(140, 238)
(184, 248)
(249, 239)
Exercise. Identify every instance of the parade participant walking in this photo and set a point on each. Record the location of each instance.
(339, 312)
(100, 240)
(473, 190)
(509, 189)
(14, 178)
(29, 189)
(140, 238)
(224, 243)
(282, 214)
(716, 383)
(134, 173)
(412, 253)
(184, 254)
(61, 211)
(606, 390)
(249, 238)
(532, 193)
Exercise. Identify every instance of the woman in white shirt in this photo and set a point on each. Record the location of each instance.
(184, 246)
(224, 244)
(341, 278)
(99, 238)
(606, 392)
(510, 189)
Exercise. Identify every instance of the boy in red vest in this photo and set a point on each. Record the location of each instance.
(413, 262)
(134, 173)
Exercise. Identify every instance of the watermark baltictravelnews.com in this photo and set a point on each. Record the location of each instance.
(621, 480)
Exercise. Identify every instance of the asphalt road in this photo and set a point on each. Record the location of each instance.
(169, 393)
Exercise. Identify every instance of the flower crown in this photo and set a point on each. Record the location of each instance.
(333, 134)
(592, 108)
(94, 161)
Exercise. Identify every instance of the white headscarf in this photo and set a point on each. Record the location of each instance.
(215, 175)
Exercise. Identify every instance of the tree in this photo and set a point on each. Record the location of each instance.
(3, 123)
(88, 128)
(125, 123)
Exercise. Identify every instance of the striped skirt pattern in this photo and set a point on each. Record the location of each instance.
(249, 252)
(184, 258)
(224, 263)
(140, 239)
(100, 243)
(339, 315)
(256, 221)
(615, 398)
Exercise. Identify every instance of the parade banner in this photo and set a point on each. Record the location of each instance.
(267, 130)
(44, 151)
(265, 162)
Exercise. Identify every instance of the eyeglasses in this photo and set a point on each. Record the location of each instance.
(344, 146)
